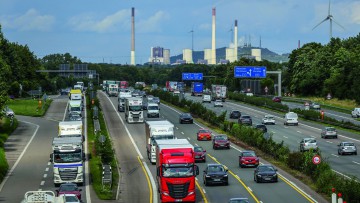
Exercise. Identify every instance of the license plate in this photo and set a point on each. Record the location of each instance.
(267, 178)
(178, 200)
(197, 157)
(216, 179)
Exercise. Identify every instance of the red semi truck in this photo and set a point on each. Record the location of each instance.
(176, 170)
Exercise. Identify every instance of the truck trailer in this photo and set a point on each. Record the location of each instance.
(113, 90)
(176, 170)
(67, 157)
(197, 89)
(218, 92)
(157, 130)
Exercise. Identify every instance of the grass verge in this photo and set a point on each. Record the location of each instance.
(29, 107)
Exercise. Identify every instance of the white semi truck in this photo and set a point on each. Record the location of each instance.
(134, 110)
(68, 160)
(113, 90)
(157, 130)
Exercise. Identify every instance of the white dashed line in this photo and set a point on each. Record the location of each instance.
(329, 142)
(285, 137)
(49, 163)
(335, 155)
(42, 183)
(204, 191)
(188, 138)
(177, 128)
(356, 162)
(299, 132)
(46, 169)
(182, 132)
(45, 175)
(249, 189)
(196, 144)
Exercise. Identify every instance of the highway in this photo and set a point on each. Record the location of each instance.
(241, 181)
(347, 165)
(28, 150)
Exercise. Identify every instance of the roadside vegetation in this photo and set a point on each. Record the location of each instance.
(319, 177)
(6, 128)
(100, 153)
(29, 107)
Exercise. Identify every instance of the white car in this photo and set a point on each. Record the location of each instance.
(8, 112)
(268, 119)
(218, 103)
(291, 118)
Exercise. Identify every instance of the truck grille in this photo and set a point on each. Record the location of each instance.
(178, 191)
(68, 174)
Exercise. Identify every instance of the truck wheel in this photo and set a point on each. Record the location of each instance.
(56, 184)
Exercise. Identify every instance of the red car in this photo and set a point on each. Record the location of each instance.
(276, 99)
(69, 188)
(200, 154)
(248, 158)
(203, 134)
(221, 141)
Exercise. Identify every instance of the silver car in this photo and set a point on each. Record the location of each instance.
(347, 148)
(218, 103)
(328, 132)
(308, 143)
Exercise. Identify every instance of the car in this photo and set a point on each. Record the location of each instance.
(248, 158)
(8, 112)
(156, 100)
(291, 118)
(328, 132)
(245, 120)
(69, 198)
(203, 134)
(206, 98)
(249, 94)
(307, 144)
(239, 200)
(221, 141)
(235, 114)
(268, 119)
(215, 174)
(315, 105)
(69, 188)
(347, 148)
(276, 99)
(75, 116)
(218, 103)
(200, 154)
(186, 118)
(261, 127)
(265, 173)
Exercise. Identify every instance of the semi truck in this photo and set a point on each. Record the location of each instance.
(67, 157)
(171, 86)
(40, 196)
(134, 110)
(123, 94)
(124, 84)
(218, 92)
(157, 130)
(176, 170)
(197, 89)
(75, 94)
(71, 129)
(106, 83)
(113, 90)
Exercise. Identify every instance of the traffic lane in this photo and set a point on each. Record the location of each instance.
(229, 158)
(57, 109)
(28, 173)
(133, 183)
(137, 131)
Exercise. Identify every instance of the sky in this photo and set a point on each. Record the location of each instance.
(99, 31)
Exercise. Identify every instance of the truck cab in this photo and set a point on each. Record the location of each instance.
(355, 113)
(134, 110)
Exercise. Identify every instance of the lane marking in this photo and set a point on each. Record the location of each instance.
(182, 132)
(45, 175)
(329, 142)
(285, 137)
(147, 178)
(177, 128)
(334, 155)
(155, 195)
(66, 108)
(299, 132)
(202, 191)
(42, 183)
(49, 163)
(356, 162)
(250, 189)
(21, 155)
(87, 170)
(46, 169)
(196, 144)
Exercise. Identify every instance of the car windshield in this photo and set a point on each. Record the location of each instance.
(330, 129)
(269, 117)
(216, 169)
(292, 115)
(204, 131)
(198, 149)
(310, 141)
(236, 112)
(246, 117)
(248, 154)
(218, 101)
(75, 109)
(186, 115)
(68, 187)
(266, 168)
(348, 144)
(177, 171)
(239, 201)
(220, 138)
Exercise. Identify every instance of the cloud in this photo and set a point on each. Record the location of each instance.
(31, 20)
(205, 26)
(153, 23)
(86, 22)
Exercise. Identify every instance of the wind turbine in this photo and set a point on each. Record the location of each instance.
(331, 19)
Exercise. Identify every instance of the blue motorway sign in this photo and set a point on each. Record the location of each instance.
(250, 72)
(192, 76)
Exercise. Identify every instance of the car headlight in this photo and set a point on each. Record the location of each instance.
(225, 175)
(207, 176)
(275, 175)
(258, 175)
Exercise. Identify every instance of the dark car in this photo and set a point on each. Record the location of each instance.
(221, 141)
(276, 99)
(261, 127)
(69, 188)
(186, 118)
(215, 174)
(200, 154)
(235, 114)
(245, 120)
(265, 173)
(248, 158)
(239, 200)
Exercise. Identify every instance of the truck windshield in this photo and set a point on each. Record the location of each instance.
(74, 108)
(178, 171)
(67, 157)
(113, 89)
(135, 108)
(161, 137)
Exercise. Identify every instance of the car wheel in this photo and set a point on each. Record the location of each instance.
(214, 147)
(228, 147)
(204, 159)
(180, 122)
(226, 183)
(339, 152)
(335, 137)
(256, 179)
(240, 165)
(276, 180)
(355, 153)
(205, 182)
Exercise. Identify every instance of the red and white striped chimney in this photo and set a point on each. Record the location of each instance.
(235, 41)
(213, 41)
(132, 54)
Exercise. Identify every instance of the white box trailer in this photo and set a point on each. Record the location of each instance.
(218, 92)
(71, 129)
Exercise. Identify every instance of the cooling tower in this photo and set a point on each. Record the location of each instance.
(256, 53)
(187, 55)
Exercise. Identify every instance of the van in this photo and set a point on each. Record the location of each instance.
(153, 110)
(75, 106)
(206, 98)
(291, 118)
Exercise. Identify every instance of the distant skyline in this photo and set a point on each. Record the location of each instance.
(100, 31)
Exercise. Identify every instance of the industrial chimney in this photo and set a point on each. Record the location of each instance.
(213, 45)
(235, 41)
(132, 54)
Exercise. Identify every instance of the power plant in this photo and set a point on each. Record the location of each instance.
(213, 38)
